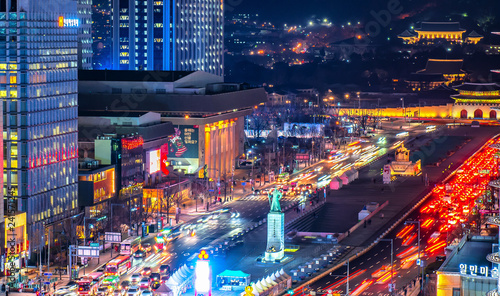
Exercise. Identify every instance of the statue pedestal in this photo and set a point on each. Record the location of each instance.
(275, 250)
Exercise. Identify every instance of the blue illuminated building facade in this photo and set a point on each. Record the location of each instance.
(184, 35)
(38, 87)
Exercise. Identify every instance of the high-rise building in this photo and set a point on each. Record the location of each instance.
(38, 86)
(181, 35)
(101, 34)
(85, 34)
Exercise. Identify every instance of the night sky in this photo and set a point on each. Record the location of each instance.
(341, 11)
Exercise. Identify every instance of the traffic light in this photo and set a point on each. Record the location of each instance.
(203, 255)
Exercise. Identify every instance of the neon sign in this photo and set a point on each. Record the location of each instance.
(477, 270)
(68, 22)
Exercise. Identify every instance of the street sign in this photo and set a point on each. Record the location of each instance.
(46, 283)
(47, 273)
(243, 184)
(419, 262)
(113, 237)
(83, 251)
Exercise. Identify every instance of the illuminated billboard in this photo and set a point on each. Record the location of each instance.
(184, 143)
(68, 22)
(154, 161)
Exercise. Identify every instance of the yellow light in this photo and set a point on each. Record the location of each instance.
(186, 116)
(61, 21)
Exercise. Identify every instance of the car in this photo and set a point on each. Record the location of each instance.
(164, 279)
(146, 293)
(133, 291)
(102, 291)
(155, 276)
(165, 269)
(140, 254)
(155, 285)
(146, 247)
(146, 271)
(136, 277)
(173, 236)
(61, 292)
(125, 285)
(144, 283)
(69, 287)
(236, 243)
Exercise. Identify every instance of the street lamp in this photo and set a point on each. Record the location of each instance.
(420, 269)
(347, 278)
(392, 262)
(403, 106)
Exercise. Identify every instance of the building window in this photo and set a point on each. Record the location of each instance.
(139, 90)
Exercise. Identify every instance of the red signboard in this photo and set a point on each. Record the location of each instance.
(301, 156)
(164, 159)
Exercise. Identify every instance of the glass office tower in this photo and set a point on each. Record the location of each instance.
(159, 35)
(38, 87)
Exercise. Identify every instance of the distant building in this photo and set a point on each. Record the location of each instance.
(84, 8)
(170, 35)
(102, 39)
(474, 101)
(434, 32)
(281, 97)
(496, 71)
(207, 114)
(96, 190)
(437, 72)
(474, 97)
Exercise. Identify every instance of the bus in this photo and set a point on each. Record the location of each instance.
(159, 242)
(130, 245)
(89, 283)
(87, 287)
(118, 266)
(283, 177)
(111, 282)
(94, 277)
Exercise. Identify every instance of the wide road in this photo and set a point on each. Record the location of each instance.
(450, 210)
(219, 226)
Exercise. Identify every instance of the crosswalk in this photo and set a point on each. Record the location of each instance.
(262, 197)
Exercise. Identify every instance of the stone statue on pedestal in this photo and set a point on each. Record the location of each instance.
(275, 250)
(274, 200)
